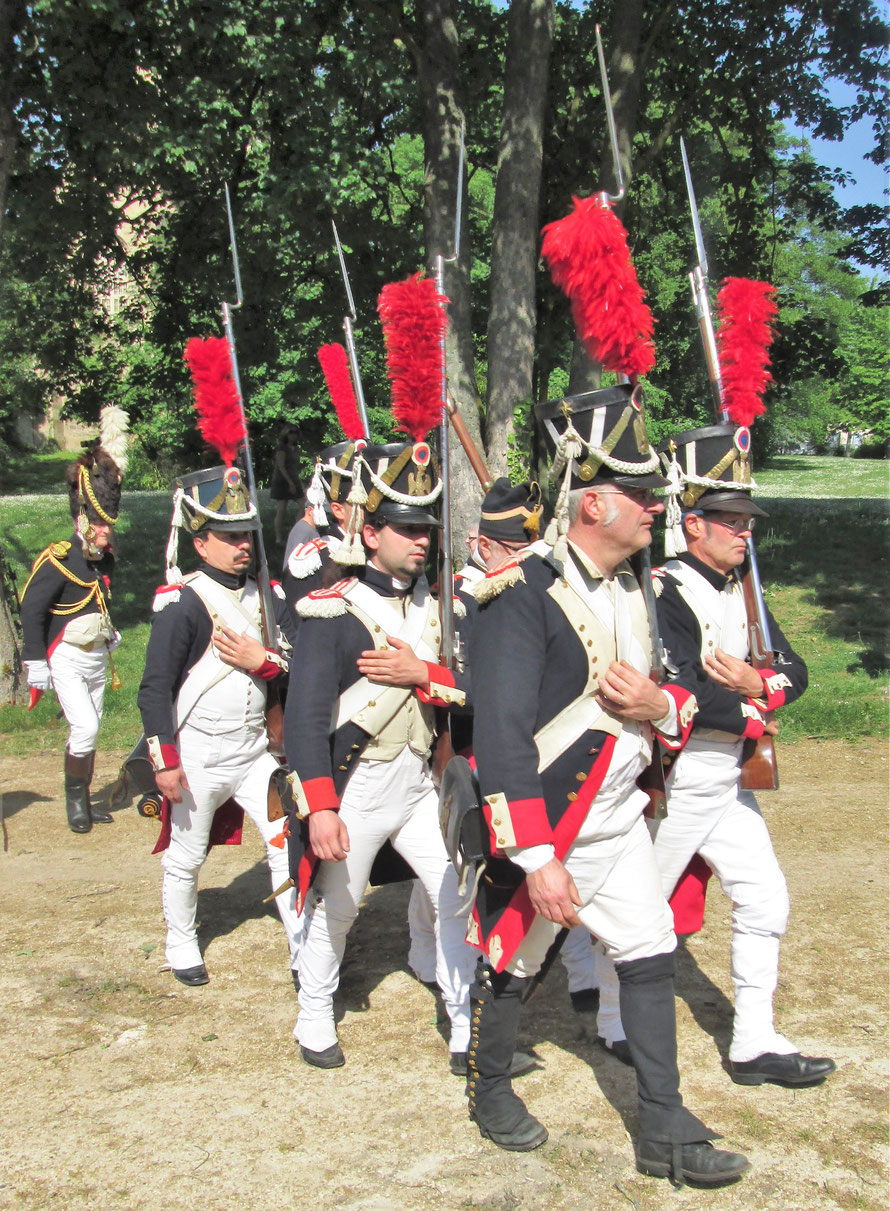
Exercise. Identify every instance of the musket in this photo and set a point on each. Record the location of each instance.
(651, 781)
(759, 770)
(267, 606)
(446, 559)
(350, 337)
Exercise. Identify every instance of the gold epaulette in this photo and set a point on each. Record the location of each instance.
(59, 550)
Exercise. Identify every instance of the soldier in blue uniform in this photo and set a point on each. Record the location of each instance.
(704, 627)
(67, 628)
(203, 699)
(359, 728)
(564, 715)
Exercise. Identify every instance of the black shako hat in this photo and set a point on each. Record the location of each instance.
(399, 483)
(511, 515)
(216, 499)
(333, 467)
(602, 436)
(707, 469)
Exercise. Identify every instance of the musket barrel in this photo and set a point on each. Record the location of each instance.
(446, 570)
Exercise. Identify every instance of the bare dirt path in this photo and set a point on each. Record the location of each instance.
(121, 1089)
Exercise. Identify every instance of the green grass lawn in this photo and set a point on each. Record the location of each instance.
(818, 476)
(823, 559)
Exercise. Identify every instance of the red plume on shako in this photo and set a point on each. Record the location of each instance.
(335, 367)
(589, 261)
(746, 309)
(414, 324)
(216, 396)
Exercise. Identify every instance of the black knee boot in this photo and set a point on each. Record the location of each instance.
(496, 1000)
(97, 816)
(672, 1141)
(77, 792)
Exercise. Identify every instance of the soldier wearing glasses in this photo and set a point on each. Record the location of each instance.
(564, 715)
(703, 624)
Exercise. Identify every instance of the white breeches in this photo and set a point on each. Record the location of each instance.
(707, 814)
(623, 904)
(79, 682)
(231, 765)
(393, 800)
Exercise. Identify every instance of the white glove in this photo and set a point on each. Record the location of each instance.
(115, 642)
(39, 675)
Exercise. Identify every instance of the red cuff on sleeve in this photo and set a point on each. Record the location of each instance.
(269, 669)
(320, 795)
(520, 822)
(773, 687)
(686, 708)
(438, 676)
(169, 757)
(753, 725)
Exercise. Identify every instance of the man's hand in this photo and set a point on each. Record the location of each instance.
(240, 651)
(734, 674)
(328, 836)
(39, 677)
(625, 691)
(771, 727)
(395, 665)
(168, 782)
(553, 894)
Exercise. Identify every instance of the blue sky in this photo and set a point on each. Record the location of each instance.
(871, 180)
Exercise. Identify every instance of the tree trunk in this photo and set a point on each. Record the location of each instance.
(13, 689)
(12, 16)
(623, 54)
(442, 114)
(514, 253)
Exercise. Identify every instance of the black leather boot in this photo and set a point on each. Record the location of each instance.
(77, 792)
(97, 816)
(496, 1000)
(672, 1142)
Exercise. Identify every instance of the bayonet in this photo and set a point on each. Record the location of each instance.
(610, 120)
(350, 338)
(698, 281)
(270, 631)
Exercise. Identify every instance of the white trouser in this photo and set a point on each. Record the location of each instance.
(623, 904)
(393, 800)
(707, 814)
(79, 682)
(422, 928)
(231, 765)
(578, 956)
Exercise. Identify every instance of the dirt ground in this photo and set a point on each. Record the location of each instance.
(122, 1089)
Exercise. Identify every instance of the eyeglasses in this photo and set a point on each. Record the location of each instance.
(640, 496)
(738, 525)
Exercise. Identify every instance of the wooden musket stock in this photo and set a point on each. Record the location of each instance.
(759, 770)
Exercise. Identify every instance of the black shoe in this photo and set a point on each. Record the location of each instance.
(585, 1000)
(192, 976)
(522, 1135)
(78, 771)
(701, 1163)
(100, 817)
(520, 1064)
(331, 1057)
(792, 1070)
(619, 1049)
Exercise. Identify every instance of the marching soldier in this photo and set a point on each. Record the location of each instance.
(366, 657)
(67, 628)
(564, 714)
(203, 700)
(318, 560)
(703, 623)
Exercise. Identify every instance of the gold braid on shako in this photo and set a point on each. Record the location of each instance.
(85, 485)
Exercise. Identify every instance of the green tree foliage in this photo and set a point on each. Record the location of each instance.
(310, 112)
